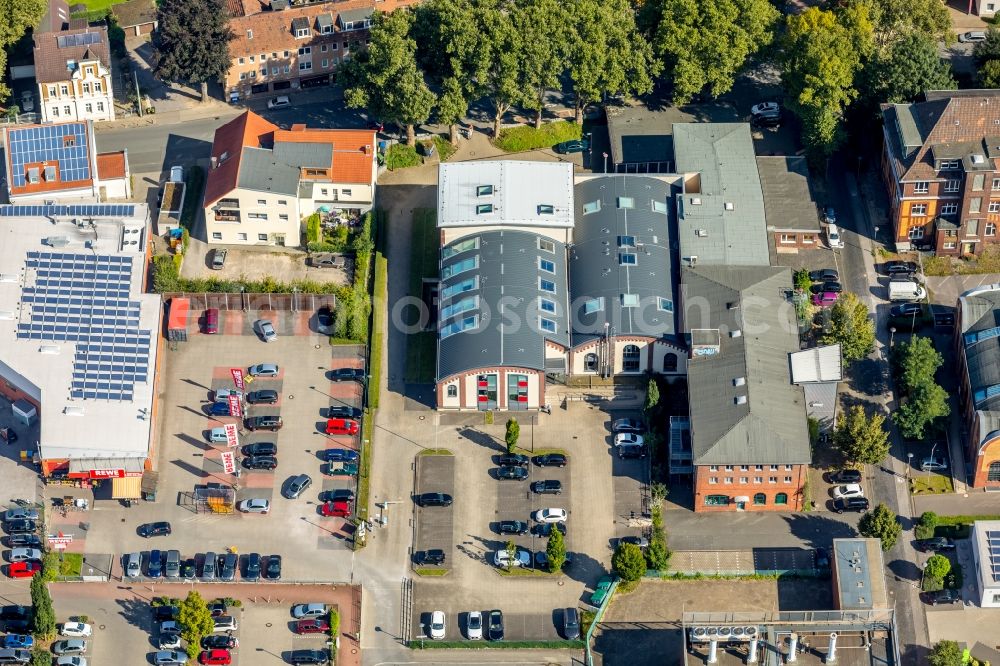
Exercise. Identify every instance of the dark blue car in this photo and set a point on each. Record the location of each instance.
(219, 409)
(339, 455)
(18, 641)
(154, 567)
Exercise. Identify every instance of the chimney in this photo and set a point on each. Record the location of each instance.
(752, 654)
(713, 656)
(831, 655)
(215, 163)
(793, 648)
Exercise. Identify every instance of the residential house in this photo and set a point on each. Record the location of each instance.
(939, 167)
(977, 348)
(289, 47)
(264, 180)
(789, 208)
(60, 161)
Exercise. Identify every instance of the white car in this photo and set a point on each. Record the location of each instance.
(765, 109)
(24, 554)
(848, 490)
(265, 329)
(551, 515)
(501, 559)
(437, 624)
(300, 611)
(279, 102)
(76, 629)
(628, 439)
(256, 505)
(70, 661)
(474, 626)
(223, 394)
(263, 370)
(833, 236)
(169, 641)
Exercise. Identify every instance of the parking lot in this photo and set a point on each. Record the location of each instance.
(435, 526)
(186, 460)
(125, 633)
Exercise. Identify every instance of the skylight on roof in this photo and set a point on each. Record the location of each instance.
(627, 259)
(630, 300)
(484, 190)
(483, 209)
(593, 305)
(591, 207)
(626, 202)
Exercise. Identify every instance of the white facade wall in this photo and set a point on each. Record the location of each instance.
(283, 220)
(81, 100)
(450, 234)
(338, 195)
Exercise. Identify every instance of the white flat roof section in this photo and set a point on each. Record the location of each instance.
(818, 364)
(505, 193)
(76, 326)
(986, 544)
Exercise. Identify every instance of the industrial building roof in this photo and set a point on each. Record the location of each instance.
(505, 193)
(744, 408)
(80, 331)
(986, 542)
(788, 199)
(721, 213)
(979, 319)
(502, 295)
(620, 266)
(858, 574)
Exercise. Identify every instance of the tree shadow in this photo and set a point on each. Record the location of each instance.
(905, 570)
(136, 612)
(482, 439)
(817, 530)
(185, 465)
(585, 569)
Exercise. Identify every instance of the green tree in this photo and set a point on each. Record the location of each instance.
(926, 525)
(881, 523)
(705, 43)
(822, 52)
(40, 656)
(18, 17)
(195, 620)
(924, 404)
(657, 553)
(862, 438)
(895, 20)
(988, 49)
(555, 551)
(544, 28)
(945, 653)
(512, 434)
(511, 549)
(451, 106)
(918, 361)
(937, 567)
(989, 74)
(628, 562)
(606, 53)
(911, 66)
(851, 327)
(652, 398)
(384, 77)
(50, 566)
(43, 619)
(192, 42)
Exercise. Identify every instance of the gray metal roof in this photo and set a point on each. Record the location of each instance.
(744, 408)
(721, 214)
(352, 15)
(324, 21)
(304, 155)
(860, 578)
(500, 300)
(788, 199)
(261, 172)
(598, 278)
(979, 320)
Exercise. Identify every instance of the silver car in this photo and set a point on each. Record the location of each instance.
(170, 657)
(70, 646)
(20, 513)
(301, 611)
(24, 554)
(172, 569)
(133, 565)
(265, 329)
(263, 370)
(71, 661)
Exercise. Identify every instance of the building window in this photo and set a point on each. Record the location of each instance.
(458, 307)
(590, 362)
(948, 245)
(241, 61)
(546, 265)
(97, 86)
(275, 70)
(760, 499)
(781, 498)
(460, 267)
(994, 207)
(626, 202)
(262, 237)
(326, 63)
(547, 325)
(630, 358)
(547, 285)
(758, 468)
(949, 208)
(952, 185)
(305, 50)
(452, 391)
(484, 209)
(216, 235)
(758, 479)
(100, 106)
(305, 66)
(915, 233)
(64, 90)
(717, 500)
(261, 202)
(729, 468)
(728, 480)
(772, 479)
(921, 187)
(774, 468)
(67, 110)
(991, 229)
(591, 207)
(484, 190)
(545, 305)
(241, 236)
(86, 88)
(659, 206)
(789, 238)
(627, 259)
(713, 468)
(346, 192)
(947, 165)
(301, 32)
(89, 108)
(459, 326)
(55, 111)
(918, 209)
(52, 91)
(283, 217)
(744, 480)
(996, 184)
(788, 479)
(994, 472)
(626, 241)
(670, 362)
(286, 69)
(546, 245)
(978, 181)
(263, 57)
(975, 204)
(712, 480)
(546, 209)
(460, 247)
(257, 216)
(252, 59)
(744, 468)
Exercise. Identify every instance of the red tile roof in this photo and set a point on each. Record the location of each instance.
(248, 129)
(353, 150)
(111, 165)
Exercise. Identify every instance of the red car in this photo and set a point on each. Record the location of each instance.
(222, 657)
(25, 569)
(312, 626)
(341, 427)
(338, 509)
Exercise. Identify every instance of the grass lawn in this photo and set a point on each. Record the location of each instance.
(444, 147)
(525, 137)
(70, 564)
(935, 483)
(436, 452)
(527, 572)
(401, 156)
(421, 348)
(431, 571)
(99, 7)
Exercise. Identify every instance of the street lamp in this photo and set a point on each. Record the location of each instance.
(931, 460)
(909, 464)
(605, 162)
(892, 333)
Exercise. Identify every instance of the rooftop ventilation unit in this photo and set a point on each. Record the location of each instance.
(6, 315)
(695, 201)
(730, 205)
(736, 334)
(73, 411)
(701, 233)
(740, 400)
(8, 277)
(49, 349)
(740, 381)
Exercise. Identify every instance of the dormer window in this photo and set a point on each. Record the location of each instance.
(301, 32)
(947, 165)
(484, 190)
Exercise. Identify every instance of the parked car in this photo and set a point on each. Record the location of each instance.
(227, 567)
(279, 102)
(165, 613)
(172, 564)
(339, 455)
(571, 146)
(327, 260)
(545, 529)
(297, 486)
(309, 657)
(209, 566)
(512, 460)
(220, 657)
(222, 395)
(830, 215)
(899, 268)
(24, 554)
(829, 286)
(512, 473)
(20, 513)
(825, 275)
(972, 36)
(906, 310)
(825, 299)
(132, 563)
(627, 425)
(641, 542)
(255, 505)
(324, 317)
(18, 641)
(547, 487)
(437, 625)
(219, 258)
(344, 412)
(300, 611)
(857, 504)
(833, 236)
(161, 528)
(432, 557)
(628, 439)
(550, 460)
(943, 597)
(474, 626)
(846, 475)
(24, 541)
(765, 108)
(260, 449)
(934, 544)
(70, 646)
(848, 490)
(219, 642)
(263, 370)
(342, 427)
(631, 451)
(251, 567)
(24, 569)
(347, 375)
(765, 121)
(495, 624)
(272, 423)
(571, 624)
(170, 640)
(312, 626)
(502, 559)
(219, 409)
(338, 495)
(262, 397)
(260, 462)
(14, 656)
(211, 321)
(189, 569)
(170, 657)
(265, 329)
(434, 499)
(225, 622)
(70, 661)
(273, 569)
(13, 527)
(154, 565)
(336, 509)
(512, 527)
(550, 515)
(15, 612)
(935, 464)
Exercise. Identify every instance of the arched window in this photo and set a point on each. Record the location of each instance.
(590, 362)
(994, 472)
(630, 358)
(670, 362)
(760, 499)
(452, 391)
(781, 498)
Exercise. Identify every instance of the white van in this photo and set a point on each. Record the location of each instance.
(906, 290)
(217, 435)
(833, 236)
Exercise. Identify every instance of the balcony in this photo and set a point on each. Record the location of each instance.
(227, 216)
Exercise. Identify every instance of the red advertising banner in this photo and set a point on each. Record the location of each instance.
(237, 378)
(107, 473)
(234, 405)
(229, 462)
(232, 441)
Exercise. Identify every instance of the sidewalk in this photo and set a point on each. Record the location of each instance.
(953, 504)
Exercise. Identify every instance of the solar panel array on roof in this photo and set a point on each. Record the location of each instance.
(80, 39)
(993, 546)
(65, 144)
(78, 210)
(84, 299)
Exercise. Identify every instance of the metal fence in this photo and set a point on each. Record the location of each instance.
(293, 302)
